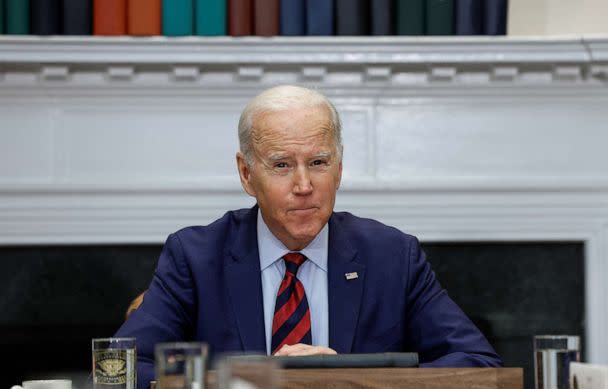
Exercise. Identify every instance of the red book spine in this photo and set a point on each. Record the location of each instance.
(240, 17)
(144, 17)
(267, 17)
(110, 17)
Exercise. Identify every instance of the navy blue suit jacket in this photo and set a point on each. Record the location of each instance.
(207, 286)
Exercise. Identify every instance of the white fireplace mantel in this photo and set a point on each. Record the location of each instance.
(124, 140)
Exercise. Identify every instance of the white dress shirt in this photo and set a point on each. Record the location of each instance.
(312, 273)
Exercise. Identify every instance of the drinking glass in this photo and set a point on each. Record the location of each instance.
(114, 363)
(181, 365)
(552, 357)
(248, 371)
(45, 384)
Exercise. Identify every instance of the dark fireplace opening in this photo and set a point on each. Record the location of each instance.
(513, 291)
(57, 298)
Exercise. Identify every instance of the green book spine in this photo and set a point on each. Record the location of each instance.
(210, 17)
(17, 17)
(1, 16)
(410, 17)
(439, 17)
(178, 17)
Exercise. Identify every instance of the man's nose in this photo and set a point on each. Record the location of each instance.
(302, 184)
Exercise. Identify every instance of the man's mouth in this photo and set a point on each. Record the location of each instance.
(303, 211)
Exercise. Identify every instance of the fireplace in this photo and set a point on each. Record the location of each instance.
(57, 298)
(111, 144)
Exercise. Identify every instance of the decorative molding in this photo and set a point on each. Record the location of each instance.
(50, 72)
(121, 72)
(296, 50)
(186, 73)
(314, 73)
(518, 61)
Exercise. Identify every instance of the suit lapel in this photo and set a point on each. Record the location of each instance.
(244, 283)
(345, 288)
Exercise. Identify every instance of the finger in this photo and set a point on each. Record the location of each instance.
(317, 350)
(283, 351)
(293, 349)
(304, 350)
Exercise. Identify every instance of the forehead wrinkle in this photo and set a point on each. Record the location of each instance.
(261, 136)
(274, 138)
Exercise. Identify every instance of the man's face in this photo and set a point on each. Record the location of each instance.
(296, 172)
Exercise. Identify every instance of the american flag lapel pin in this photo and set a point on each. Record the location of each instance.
(351, 276)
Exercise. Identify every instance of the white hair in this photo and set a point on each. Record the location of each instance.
(282, 98)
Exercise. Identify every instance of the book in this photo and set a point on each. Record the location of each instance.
(468, 17)
(44, 17)
(1, 16)
(77, 17)
(439, 17)
(495, 17)
(109, 17)
(266, 17)
(210, 17)
(143, 17)
(351, 17)
(410, 17)
(240, 17)
(319, 17)
(382, 17)
(293, 17)
(17, 17)
(178, 17)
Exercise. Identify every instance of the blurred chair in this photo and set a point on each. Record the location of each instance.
(134, 304)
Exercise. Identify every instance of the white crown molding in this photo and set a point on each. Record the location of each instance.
(222, 62)
(292, 50)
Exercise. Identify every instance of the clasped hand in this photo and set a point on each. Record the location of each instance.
(300, 349)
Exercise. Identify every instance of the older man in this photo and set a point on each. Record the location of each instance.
(290, 276)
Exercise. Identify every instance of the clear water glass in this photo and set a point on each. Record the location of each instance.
(114, 363)
(181, 365)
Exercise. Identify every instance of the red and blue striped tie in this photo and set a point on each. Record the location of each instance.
(291, 322)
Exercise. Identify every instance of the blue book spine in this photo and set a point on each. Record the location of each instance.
(77, 17)
(468, 17)
(44, 17)
(352, 17)
(210, 17)
(495, 17)
(293, 17)
(319, 17)
(382, 17)
(177, 16)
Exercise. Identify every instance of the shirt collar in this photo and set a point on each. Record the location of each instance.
(271, 249)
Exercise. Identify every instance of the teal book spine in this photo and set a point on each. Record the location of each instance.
(210, 17)
(17, 17)
(440, 17)
(178, 18)
(1, 16)
(410, 17)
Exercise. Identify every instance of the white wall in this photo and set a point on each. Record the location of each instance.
(557, 17)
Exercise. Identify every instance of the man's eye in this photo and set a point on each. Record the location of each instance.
(318, 162)
(280, 165)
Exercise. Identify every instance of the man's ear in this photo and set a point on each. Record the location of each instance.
(339, 176)
(244, 174)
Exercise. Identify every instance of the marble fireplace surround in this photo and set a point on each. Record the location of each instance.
(123, 140)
